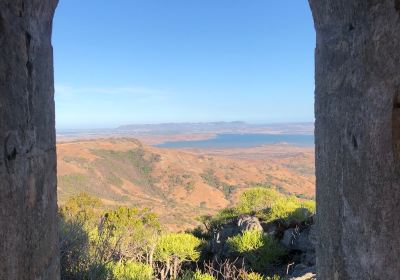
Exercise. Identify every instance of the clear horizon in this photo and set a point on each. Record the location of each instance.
(87, 129)
(182, 61)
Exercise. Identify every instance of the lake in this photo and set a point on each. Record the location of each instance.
(242, 141)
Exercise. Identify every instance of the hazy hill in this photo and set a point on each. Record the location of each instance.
(219, 127)
(158, 133)
(178, 185)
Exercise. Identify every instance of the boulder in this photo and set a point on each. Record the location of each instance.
(296, 239)
(300, 270)
(307, 276)
(237, 226)
(247, 222)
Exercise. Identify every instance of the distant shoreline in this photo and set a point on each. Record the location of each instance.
(244, 140)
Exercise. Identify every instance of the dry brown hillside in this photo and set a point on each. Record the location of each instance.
(178, 185)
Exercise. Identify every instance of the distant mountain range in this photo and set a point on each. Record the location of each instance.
(219, 127)
(159, 133)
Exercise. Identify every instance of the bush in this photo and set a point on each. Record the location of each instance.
(252, 276)
(257, 199)
(222, 217)
(257, 248)
(74, 243)
(127, 233)
(256, 276)
(82, 207)
(175, 248)
(248, 241)
(210, 178)
(182, 246)
(129, 271)
(198, 275)
(291, 210)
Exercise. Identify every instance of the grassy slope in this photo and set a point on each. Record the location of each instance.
(177, 185)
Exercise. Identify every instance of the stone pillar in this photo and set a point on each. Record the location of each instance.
(28, 200)
(357, 130)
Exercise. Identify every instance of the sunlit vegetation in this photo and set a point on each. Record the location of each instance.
(257, 248)
(266, 204)
(130, 243)
(210, 178)
(138, 158)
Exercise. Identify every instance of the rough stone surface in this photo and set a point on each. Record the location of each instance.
(308, 276)
(28, 203)
(295, 239)
(357, 134)
(247, 222)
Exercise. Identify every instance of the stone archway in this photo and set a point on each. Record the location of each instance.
(28, 202)
(357, 140)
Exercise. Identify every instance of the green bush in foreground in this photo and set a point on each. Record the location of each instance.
(256, 276)
(129, 271)
(252, 276)
(257, 199)
(265, 203)
(173, 249)
(198, 275)
(95, 243)
(290, 209)
(257, 248)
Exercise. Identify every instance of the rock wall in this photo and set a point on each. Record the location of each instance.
(28, 202)
(357, 131)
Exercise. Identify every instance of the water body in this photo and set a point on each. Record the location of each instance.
(242, 141)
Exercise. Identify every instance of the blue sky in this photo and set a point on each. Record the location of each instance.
(150, 61)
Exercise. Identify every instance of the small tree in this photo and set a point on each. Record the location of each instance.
(127, 233)
(257, 199)
(173, 249)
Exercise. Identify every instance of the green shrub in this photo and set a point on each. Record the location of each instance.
(182, 246)
(275, 277)
(309, 205)
(256, 276)
(257, 248)
(173, 249)
(128, 233)
(248, 241)
(291, 210)
(210, 178)
(222, 217)
(73, 244)
(113, 179)
(189, 186)
(228, 190)
(139, 159)
(129, 271)
(82, 207)
(257, 199)
(198, 275)
(252, 276)
(74, 182)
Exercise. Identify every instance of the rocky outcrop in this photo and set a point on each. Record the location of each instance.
(307, 276)
(219, 248)
(28, 204)
(297, 238)
(247, 222)
(357, 134)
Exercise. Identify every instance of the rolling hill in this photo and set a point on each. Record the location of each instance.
(178, 185)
